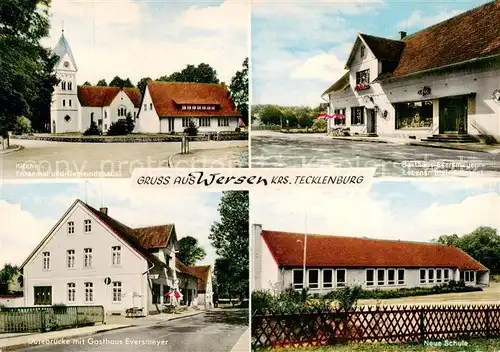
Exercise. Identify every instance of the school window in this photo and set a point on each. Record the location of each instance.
(89, 292)
(87, 225)
(358, 115)
(446, 273)
(185, 122)
(391, 277)
(71, 227)
(341, 277)
(204, 121)
(363, 76)
(223, 121)
(313, 278)
(117, 254)
(401, 276)
(339, 120)
(430, 276)
(71, 292)
(327, 278)
(370, 275)
(117, 291)
(87, 257)
(438, 275)
(70, 258)
(297, 278)
(380, 277)
(46, 260)
(423, 277)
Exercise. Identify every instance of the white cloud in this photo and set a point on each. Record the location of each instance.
(320, 67)
(420, 20)
(229, 15)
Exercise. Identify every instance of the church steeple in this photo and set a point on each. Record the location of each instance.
(63, 51)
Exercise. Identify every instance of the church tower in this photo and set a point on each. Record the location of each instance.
(64, 110)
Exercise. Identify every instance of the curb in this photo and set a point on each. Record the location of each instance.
(186, 316)
(8, 151)
(170, 160)
(21, 345)
(361, 140)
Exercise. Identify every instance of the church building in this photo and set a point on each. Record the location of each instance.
(74, 107)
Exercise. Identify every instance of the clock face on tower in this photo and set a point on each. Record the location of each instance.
(66, 64)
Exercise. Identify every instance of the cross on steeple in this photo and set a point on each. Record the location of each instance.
(62, 27)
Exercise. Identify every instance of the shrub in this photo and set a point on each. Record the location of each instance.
(93, 130)
(192, 129)
(23, 125)
(261, 299)
(118, 128)
(59, 308)
(237, 129)
(319, 125)
(305, 121)
(348, 297)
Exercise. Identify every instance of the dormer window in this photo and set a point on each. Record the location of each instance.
(362, 51)
(183, 107)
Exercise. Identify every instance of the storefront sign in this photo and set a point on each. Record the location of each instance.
(424, 91)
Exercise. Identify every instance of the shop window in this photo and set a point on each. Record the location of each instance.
(414, 114)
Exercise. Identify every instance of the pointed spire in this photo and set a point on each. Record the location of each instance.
(62, 31)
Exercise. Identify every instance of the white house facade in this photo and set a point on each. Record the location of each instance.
(89, 258)
(333, 262)
(74, 107)
(441, 83)
(169, 107)
(205, 289)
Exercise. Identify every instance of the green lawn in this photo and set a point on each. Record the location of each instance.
(492, 345)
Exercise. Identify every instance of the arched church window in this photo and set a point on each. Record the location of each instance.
(70, 85)
(63, 85)
(64, 102)
(69, 101)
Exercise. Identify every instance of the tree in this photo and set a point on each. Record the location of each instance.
(203, 73)
(93, 130)
(143, 83)
(130, 122)
(102, 83)
(122, 83)
(26, 77)
(271, 115)
(230, 238)
(226, 286)
(239, 91)
(7, 275)
(190, 251)
(87, 83)
(289, 118)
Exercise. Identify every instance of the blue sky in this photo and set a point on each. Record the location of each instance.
(299, 48)
(29, 210)
(401, 210)
(152, 38)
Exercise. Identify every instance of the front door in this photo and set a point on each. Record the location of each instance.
(453, 115)
(371, 122)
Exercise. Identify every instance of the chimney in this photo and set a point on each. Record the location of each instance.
(104, 210)
(403, 34)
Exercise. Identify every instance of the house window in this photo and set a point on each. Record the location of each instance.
(223, 121)
(117, 254)
(416, 114)
(71, 292)
(185, 122)
(341, 277)
(401, 276)
(69, 102)
(70, 87)
(391, 277)
(362, 51)
(87, 257)
(150, 106)
(297, 278)
(370, 275)
(423, 277)
(87, 224)
(204, 121)
(327, 278)
(71, 227)
(105, 114)
(156, 294)
(313, 278)
(438, 275)
(467, 276)
(339, 120)
(43, 295)
(89, 292)
(70, 258)
(363, 77)
(63, 85)
(380, 277)
(446, 273)
(431, 275)
(358, 115)
(46, 260)
(64, 102)
(117, 291)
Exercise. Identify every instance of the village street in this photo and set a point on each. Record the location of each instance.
(285, 150)
(217, 330)
(41, 159)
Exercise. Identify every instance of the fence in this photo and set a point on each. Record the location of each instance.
(265, 128)
(396, 324)
(28, 319)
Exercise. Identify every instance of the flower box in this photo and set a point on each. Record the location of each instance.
(361, 86)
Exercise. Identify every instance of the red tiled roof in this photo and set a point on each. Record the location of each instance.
(383, 48)
(96, 96)
(470, 35)
(154, 236)
(202, 272)
(166, 96)
(335, 251)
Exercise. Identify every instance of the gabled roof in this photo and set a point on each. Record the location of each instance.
(203, 273)
(334, 251)
(154, 237)
(341, 84)
(62, 48)
(97, 96)
(384, 49)
(167, 96)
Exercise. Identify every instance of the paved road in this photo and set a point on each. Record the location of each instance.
(60, 159)
(276, 150)
(216, 331)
